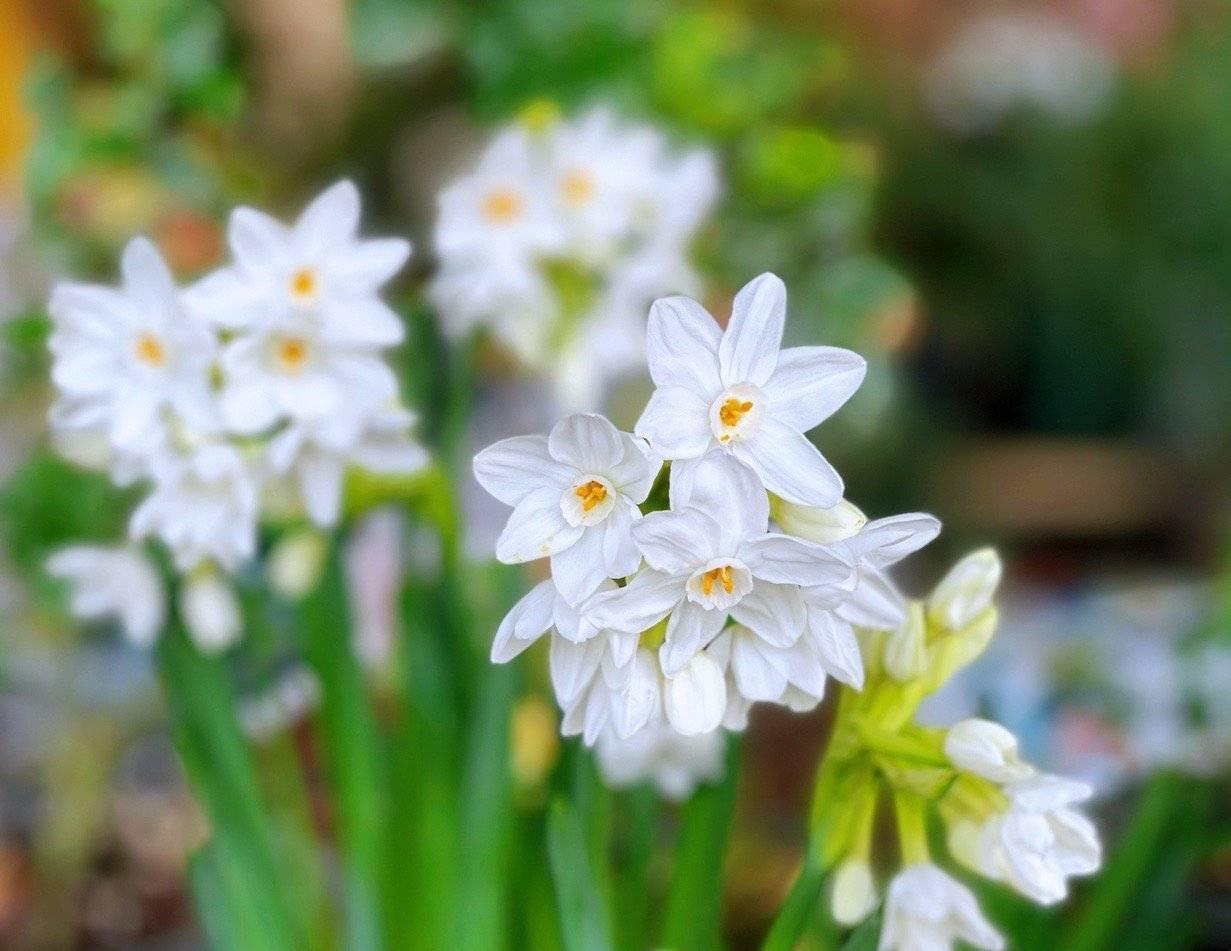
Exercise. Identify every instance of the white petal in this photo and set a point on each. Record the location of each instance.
(748, 352)
(536, 529)
(727, 490)
(677, 542)
(525, 623)
(888, 540)
(790, 466)
(640, 604)
(330, 220)
(248, 406)
(573, 666)
(258, 242)
(146, 277)
(639, 698)
(786, 560)
(365, 265)
(696, 697)
(320, 481)
(620, 553)
(587, 442)
(837, 647)
(775, 612)
(811, 383)
(637, 469)
(226, 299)
(579, 569)
(690, 628)
(361, 322)
(675, 422)
(681, 344)
(756, 678)
(513, 468)
(876, 603)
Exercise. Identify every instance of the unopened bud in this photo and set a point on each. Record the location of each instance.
(295, 563)
(906, 648)
(986, 749)
(823, 526)
(210, 612)
(966, 591)
(854, 892)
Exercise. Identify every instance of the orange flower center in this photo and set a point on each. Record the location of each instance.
(733, 410)
(292, 353)
(591, 494)
(577, 187)
(149, 350)
(503, 205)
(304, 282)
(715, 576)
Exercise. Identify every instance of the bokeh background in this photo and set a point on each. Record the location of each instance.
(1020, 212)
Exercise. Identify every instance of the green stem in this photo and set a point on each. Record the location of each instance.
(796, 911)
(910, 812)
(634, 848)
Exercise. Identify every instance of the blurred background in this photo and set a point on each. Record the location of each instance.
(1019, 212)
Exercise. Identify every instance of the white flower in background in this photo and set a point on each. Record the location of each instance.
(927, 910)
(574, 495)
(203, 507)
(210, 611)
(118, 582)
(986, 749)
(853, 892)
(1040, 841)
(733, 390)
(121, 357)
(715, 558)
(966, 591)
(316, 271)
(296, 561)
(315, 455)
(675, 764)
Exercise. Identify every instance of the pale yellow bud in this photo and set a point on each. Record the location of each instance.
(209, 611)
(823, 526)
(854, 892)
(295, 563)
(906, 648)
(966, 591)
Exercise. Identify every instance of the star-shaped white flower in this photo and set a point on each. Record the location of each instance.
(734, 390)
(928, 910)
(318, 266)
(714, 558)
(118, 582)
(575, 495)
(121, 357)
(675, 763)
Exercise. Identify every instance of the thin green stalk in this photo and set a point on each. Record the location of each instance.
(693, 918)
(585, 920)
(638, 810)
(352, 755)
(797, 910)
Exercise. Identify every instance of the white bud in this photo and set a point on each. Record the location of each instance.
(210, 612)
(906, 648)
(294, 565)
(854, 892)
(966, 591)
(928, 909)
(986, 749)
(823, 526)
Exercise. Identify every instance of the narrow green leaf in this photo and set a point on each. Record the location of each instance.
(796, 911)
(637, 811)
(585, 922)
(865, 937)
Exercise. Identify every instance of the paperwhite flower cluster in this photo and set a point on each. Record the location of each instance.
(681, 619)
(264, 376)
(561, 237)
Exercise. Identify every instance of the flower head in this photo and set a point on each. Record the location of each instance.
(113, 582)
(927, 910)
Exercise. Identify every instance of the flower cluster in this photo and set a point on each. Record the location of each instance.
(560, 238)
(681, 615)
(1004, 819)
(264, 380)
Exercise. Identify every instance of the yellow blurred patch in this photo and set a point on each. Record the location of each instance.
(16, 124)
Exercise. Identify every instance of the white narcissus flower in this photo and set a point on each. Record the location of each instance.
(203, 507)
(674, 763)
(966, 591)
(210, 611)
(714, 558)
(732, 389)
(574, 495)
(1040, 841)
(986, 749)
(119, 582)
(927, 910)
(317, 270)
(123, 357)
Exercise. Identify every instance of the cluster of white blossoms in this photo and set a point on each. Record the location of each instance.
(261, 382)
(560, 238)
(1004, 818)
(682, 618)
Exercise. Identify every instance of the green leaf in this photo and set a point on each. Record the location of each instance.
(865, 937)
(634, 848)
(796, 911)
(585, 921)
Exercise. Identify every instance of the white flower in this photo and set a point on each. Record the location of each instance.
(674, 763)
(120, 358)
(316, 270)
(734, 390)
(575, 495)
(986, 749)
(927, 910)
(113, 582)
(966, 591)
(316, 454)
(714, 558)
(203, 506)
(1040, 841)
(210, 612)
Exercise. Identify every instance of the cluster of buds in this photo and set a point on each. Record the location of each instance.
(255, 387)
(1003, 818)
(674, 602)
(561, 237)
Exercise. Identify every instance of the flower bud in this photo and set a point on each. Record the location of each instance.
(966, 591)
(906, 648)
(823, 526)
(986, 749)
(295, 563)
(210, 612)
(854, 892)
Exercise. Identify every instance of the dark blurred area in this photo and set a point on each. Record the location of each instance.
(1020, 212)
